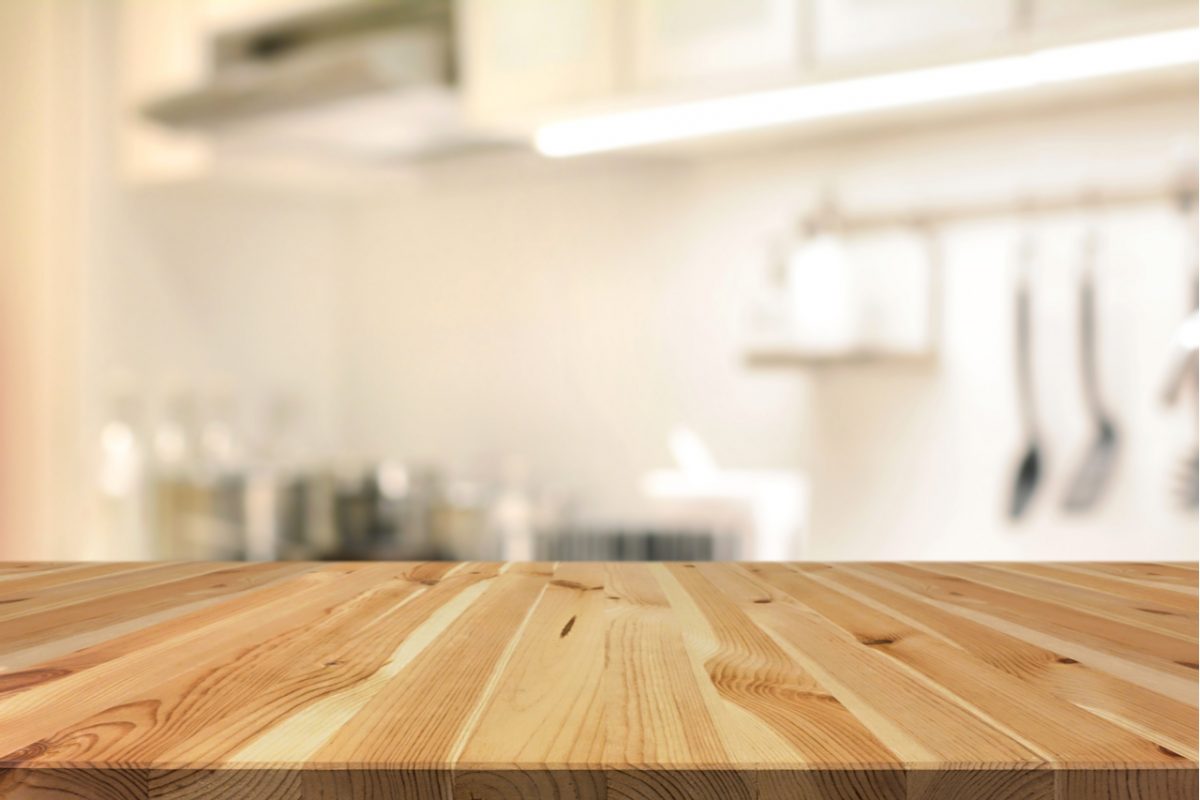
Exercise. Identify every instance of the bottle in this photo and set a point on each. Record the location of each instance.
(121, 481)
(289, 503)
(219, 529)
(823, 292)
(510, 516)
(175, 499)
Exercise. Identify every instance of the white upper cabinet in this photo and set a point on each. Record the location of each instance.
(1082, 18)
(159, 48)
(681, 42)
(524, 62)
(229, 14)
(859, 33)
(519, 57)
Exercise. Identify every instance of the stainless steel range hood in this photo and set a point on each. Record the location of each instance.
(370, 78)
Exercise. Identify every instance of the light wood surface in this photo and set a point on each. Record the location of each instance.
(691, 681)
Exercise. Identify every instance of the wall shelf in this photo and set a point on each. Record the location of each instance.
(782, 356)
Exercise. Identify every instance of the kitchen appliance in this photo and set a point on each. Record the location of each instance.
(371, 78)
(636, 544)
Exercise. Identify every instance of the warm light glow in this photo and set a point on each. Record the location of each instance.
(841, 98)
(1188, 336)
(691, 454)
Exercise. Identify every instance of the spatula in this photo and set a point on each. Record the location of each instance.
(1030, 464)
(1094, 470)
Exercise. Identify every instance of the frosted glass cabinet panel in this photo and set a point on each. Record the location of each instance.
(523, 55)
(228, 14)
(160, 48)
(1101, 16)
(857, 32)
(679, 41)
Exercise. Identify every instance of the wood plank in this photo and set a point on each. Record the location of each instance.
(66, 718)
(594, 681)
(1139, 593)
(117, 581)
(331, 657)
(909, 715)
(1165, 722)
(1107, 656)
(24, 582)
(816, 746)
(553, 683)
(752, 672)
(443, 684)
(659, 731)
(18, 568)
(1131, 642)
(127, 633)
(1169, 620)
(59, 623)
(1050, 726)
(1143, 573)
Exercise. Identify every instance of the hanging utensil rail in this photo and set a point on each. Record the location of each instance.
(850, 221)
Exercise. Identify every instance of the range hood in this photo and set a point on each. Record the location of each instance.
(372, 78)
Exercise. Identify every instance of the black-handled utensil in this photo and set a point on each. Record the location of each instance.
(1094, 470)
(1185, 480)
(1030, 465)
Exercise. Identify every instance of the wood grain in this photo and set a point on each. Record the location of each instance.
(579, 681)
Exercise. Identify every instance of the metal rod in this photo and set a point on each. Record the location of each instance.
(1048, 204)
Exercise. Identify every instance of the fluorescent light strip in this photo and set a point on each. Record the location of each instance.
(842, 98)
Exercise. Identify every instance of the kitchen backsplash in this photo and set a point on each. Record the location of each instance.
(573, 315)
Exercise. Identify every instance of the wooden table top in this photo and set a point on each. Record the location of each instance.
(689, 681)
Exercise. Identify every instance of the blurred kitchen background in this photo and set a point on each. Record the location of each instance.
(559, 279)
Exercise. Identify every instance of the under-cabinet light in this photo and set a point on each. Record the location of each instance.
(691, 120)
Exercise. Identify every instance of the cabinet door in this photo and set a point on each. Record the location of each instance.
(1081, 18)
(160, 49)
(677, 42)
(227, 14)
(863, 32)
(521, 57)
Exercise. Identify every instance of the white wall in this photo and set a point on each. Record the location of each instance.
(222, 284)
(917, 466)
(569, 316)
(573, 313)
